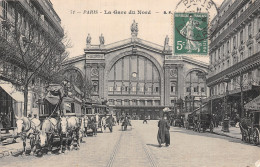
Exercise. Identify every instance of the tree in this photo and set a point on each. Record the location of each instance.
(88, 89)
(38, 53)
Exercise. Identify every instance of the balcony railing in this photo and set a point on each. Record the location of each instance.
(249, 62)
(229, 13)
(254, 7)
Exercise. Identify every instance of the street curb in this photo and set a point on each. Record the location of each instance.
(223, 134)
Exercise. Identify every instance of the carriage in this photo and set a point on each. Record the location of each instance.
(190, 122)
(178, 120)
(250, 126)
(249, 130)
(204, 122)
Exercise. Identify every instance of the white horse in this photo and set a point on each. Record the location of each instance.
(28, 128)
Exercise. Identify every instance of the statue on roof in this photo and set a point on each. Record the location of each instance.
(101, 39)
(166, 44)
(134, 28)
(88, 39)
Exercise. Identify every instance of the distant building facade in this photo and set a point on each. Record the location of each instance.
(139, 77)
(234, 56)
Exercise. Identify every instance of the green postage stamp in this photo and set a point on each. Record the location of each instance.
(191, 33)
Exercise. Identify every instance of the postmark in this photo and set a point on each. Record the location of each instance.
(192, 22)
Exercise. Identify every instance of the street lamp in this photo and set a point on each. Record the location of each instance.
(225, 126)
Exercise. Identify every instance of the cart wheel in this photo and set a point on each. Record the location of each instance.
(211, 127)
(199, 127)
(256, 136)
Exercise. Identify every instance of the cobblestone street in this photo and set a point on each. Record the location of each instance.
(138, 147)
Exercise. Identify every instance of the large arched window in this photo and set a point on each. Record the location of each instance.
(75, 77)
(195, 83)
(134, 74)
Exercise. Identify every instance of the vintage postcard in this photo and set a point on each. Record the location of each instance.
(112, 83)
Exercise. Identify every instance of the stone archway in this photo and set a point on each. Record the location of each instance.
(138, 53)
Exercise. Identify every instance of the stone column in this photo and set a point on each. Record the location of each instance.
(180, 81)
(166, 85)
(101, 83)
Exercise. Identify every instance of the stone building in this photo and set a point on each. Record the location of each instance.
(234, 57)
(140, 77)
(37, 22)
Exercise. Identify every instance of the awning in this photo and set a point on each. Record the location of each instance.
(253, 105)
(10, 89)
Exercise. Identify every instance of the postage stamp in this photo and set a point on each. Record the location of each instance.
(192, 26)
(191, 33)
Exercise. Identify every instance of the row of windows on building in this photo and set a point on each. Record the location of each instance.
(221, 58)
(8, 12)
(222, 13)
(250, 78)
(133, 102)
(196, 89)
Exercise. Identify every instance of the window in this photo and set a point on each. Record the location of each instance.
(196, 89)
(241, 37)
(188, 89)
(5, 9)
(249, 51)
(95, 86)
(173, 87)
(241, 56)
(118, 88)
(258, 24)
(234, 42)
(133, 89)
(202, 90)
(111, 88)
(250, 30)
(228, 46)
(156, 89)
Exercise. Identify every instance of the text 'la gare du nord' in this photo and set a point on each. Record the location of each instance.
(123, 12)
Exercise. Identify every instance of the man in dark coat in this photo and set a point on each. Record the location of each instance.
(163, 135)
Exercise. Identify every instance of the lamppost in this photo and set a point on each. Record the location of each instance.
(225, 126)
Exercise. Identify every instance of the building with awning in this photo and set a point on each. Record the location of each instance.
(234, 58)
(254, 107)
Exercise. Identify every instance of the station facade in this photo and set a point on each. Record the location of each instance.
(139, 77)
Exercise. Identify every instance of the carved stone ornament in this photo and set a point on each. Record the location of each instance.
(174, 73)
(94, 72)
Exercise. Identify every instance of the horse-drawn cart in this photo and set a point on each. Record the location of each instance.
(249, 131)
(204, 122)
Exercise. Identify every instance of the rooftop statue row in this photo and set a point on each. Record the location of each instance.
(101, 39)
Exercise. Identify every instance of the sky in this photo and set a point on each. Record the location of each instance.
(115, 27)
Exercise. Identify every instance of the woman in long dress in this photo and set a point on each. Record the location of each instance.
(188, 32)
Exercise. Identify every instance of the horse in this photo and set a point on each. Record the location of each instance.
(28, 128)
(72, 126)
(50, 127)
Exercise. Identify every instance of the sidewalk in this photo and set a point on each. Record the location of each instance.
(233, 132)
(9, 149)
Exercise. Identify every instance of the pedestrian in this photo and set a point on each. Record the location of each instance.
(145, 120)
(163, 135)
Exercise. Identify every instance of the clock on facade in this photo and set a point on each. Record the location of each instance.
(134, 75)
